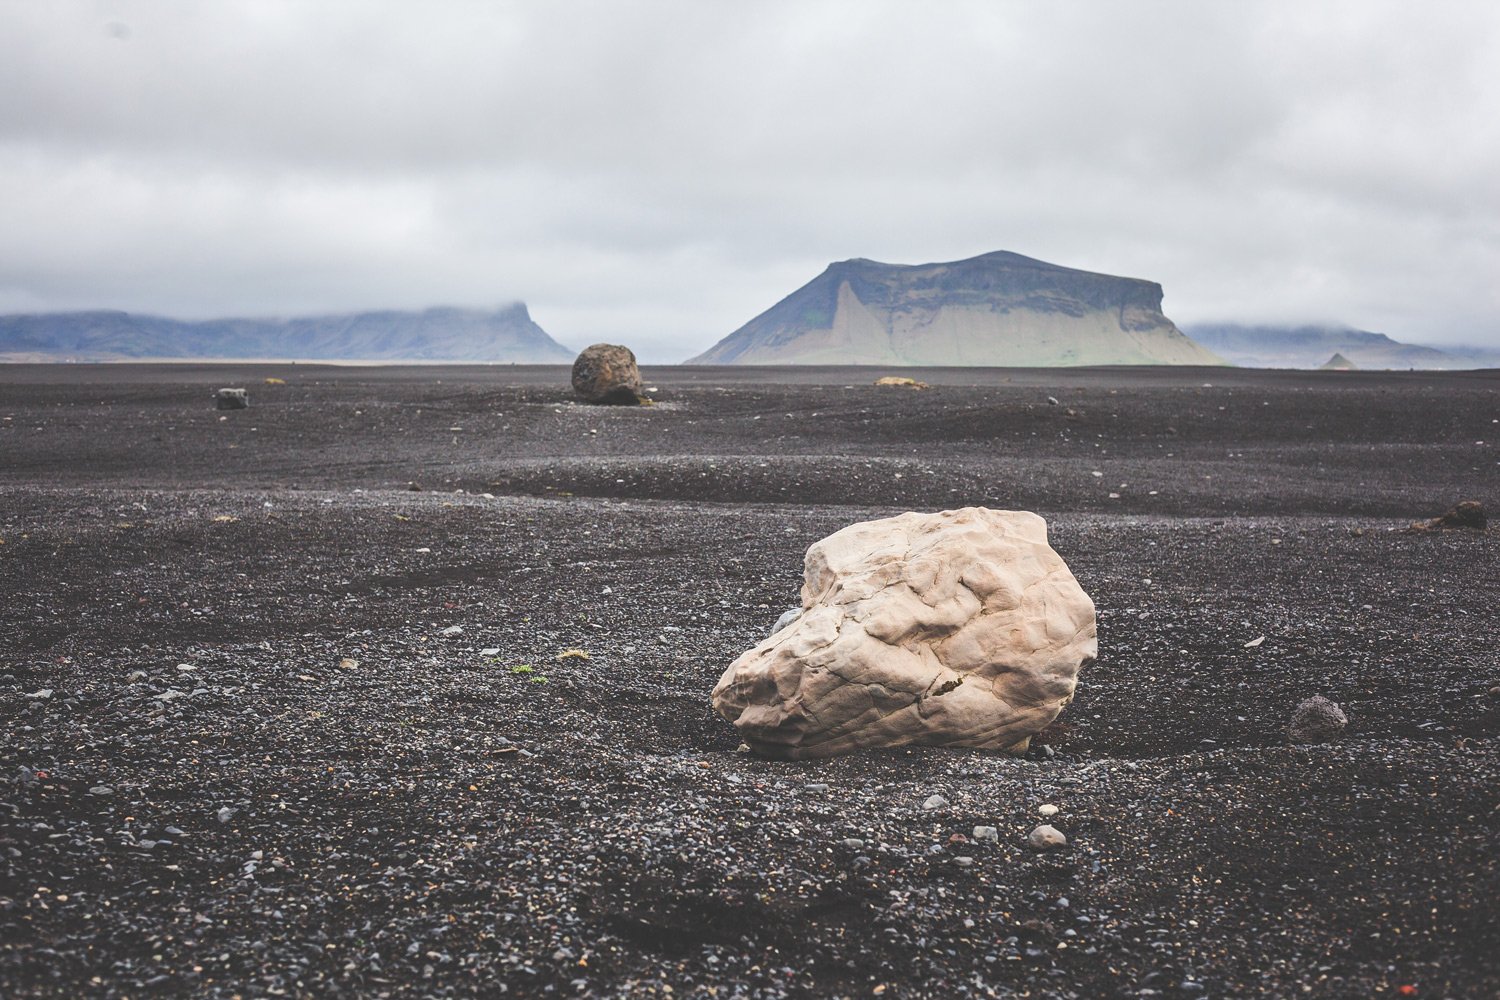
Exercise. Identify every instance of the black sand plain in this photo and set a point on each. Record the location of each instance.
(203, 793)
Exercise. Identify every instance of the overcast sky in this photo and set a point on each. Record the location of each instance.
(657, 173)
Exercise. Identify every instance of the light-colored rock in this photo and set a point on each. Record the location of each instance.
(608, 374)
(962, 628)
(1046, 837)
(934, 802)
(231, 399)
(986, 834)
(1046, 810)
(1316, 720)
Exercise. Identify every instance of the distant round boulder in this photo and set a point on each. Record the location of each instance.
(1316, 720)
(607, 374)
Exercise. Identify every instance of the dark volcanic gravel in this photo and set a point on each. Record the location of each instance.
(274, 724)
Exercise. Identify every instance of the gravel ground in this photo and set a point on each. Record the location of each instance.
(275, 724)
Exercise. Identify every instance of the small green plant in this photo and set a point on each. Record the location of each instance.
(539, 679)
(522, 668)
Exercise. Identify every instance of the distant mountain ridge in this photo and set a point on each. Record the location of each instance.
(995, 309)
(1309, 346)
(505, 335)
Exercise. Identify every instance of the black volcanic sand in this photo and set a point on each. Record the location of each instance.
(197, 797)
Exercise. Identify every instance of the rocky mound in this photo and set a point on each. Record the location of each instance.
(996, 309)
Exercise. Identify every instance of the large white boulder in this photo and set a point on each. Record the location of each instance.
(962, 628)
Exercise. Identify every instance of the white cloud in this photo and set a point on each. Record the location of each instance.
(657, 173)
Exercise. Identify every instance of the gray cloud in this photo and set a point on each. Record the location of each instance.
(659, 172)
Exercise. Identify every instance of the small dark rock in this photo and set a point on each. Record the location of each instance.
(1468, 515)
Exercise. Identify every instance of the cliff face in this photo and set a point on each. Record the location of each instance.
(501, 335)
(996, 309)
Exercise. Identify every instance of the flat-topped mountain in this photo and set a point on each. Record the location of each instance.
(996, 309)
(1309, 346)
(506, 335)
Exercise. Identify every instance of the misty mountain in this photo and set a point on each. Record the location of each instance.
(996, 309)
(1311, 346)
(507, 334)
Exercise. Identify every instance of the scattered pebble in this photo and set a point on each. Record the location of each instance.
(1046, 809)
(987, 834)
(101, 790)
(1046, 837)
(934, 802)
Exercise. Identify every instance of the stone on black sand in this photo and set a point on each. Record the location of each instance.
(1046, 837)
(1466, 515)
(1316, 720)
(232, 399)
(607, 374)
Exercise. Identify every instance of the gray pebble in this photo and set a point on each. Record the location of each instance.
(934, 802)
(786, 619)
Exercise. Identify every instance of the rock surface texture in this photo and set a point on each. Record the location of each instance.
(607, 373)
(962, 628)
(1316, 720)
